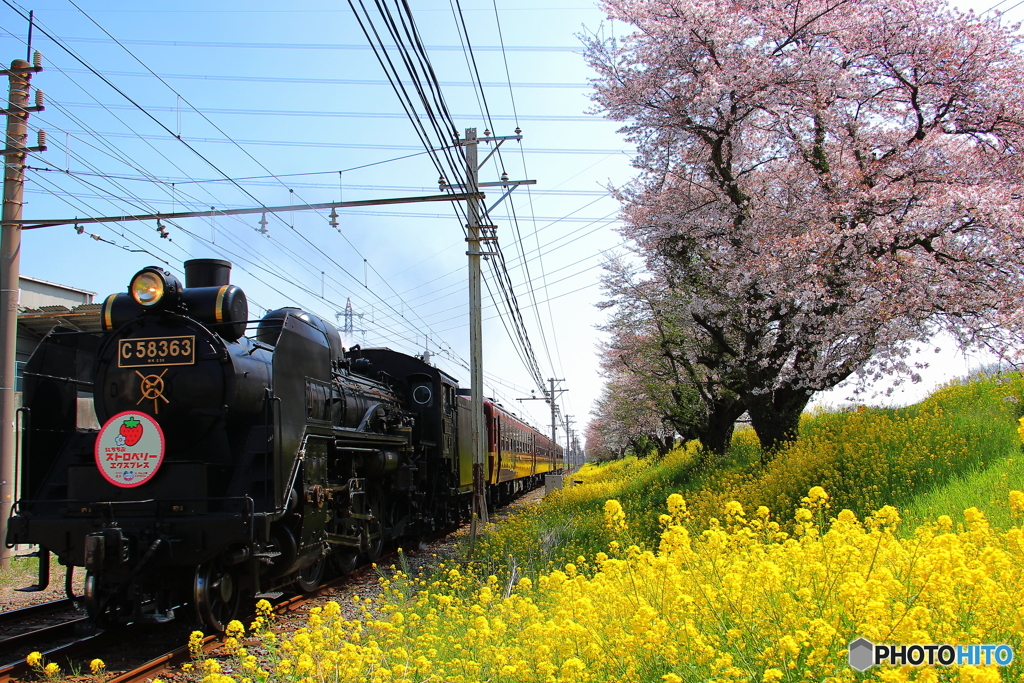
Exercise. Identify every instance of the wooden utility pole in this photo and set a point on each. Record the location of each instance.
(14, 153)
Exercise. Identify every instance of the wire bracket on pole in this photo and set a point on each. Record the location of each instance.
(40, 147)
(49, 223)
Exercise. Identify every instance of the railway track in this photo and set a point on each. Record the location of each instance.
(181, 655)
(36, 626)
(135, 663)
(16, 615)
(136, 654)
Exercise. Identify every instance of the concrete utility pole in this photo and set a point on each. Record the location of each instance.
(478, 233)
(550, 395)
(14, 154)
(476, 345)
(568, 440)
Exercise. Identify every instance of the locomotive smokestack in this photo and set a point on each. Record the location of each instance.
(207, 272)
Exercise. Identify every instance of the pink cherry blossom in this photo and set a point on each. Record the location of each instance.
(820, 185)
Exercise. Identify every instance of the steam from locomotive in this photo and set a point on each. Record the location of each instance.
(232, 466)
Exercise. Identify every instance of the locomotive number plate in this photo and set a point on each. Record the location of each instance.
(142, 353)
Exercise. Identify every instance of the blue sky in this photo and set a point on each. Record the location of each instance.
(287, 92)
(291, 97)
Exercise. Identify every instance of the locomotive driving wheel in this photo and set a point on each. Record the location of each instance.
(345, 561)
(216, 594)
(99, 602)
(373, 531)
(308, 578)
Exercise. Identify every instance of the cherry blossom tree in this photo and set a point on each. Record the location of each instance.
(821, 182)
(625, 419)
(664, 360)
(596, 435)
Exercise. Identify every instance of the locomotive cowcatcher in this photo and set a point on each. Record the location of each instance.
(229, 467)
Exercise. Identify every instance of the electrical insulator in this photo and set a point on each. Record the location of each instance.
(487, 132)
(442, 183)
(519, 130)
(79, 229)
(334, 218)
(263, 225)
(37, 59)
(161, 229)
(39, 98)
(504, 177)
(41, 138)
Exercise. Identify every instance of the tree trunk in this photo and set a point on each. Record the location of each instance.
(775, 418)
(716, 439)
(716, 435)
(665, 445)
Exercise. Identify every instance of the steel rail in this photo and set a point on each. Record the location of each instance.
(87, 646)
(82, 647)
(181, 655)
(35, 610)
(51, 632)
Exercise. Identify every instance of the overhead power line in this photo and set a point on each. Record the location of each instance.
(261, 181)
(322, 46)
(171, 137)
(296, 10)
(328, 81)
(92, 132)
(338, 114)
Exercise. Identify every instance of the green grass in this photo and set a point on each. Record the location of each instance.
(957, 449)
(22, 573)
(986, 488)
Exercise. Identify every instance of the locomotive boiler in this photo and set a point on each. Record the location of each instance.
(230, 466)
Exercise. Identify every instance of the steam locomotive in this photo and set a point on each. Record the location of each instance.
(228, 467)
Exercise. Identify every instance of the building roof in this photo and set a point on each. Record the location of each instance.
(57, 284)
(85, 318)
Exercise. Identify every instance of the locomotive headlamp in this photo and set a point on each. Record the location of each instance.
(147, 288)
(154, 287)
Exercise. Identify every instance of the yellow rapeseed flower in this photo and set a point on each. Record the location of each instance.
(235, 628)
(614, 516)
(724, 602)
(1017, 502)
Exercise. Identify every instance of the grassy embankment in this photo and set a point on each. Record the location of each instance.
(756, 574)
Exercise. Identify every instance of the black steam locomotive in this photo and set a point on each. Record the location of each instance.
(227, 466)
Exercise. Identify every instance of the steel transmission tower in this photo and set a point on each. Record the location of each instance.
(348, 317)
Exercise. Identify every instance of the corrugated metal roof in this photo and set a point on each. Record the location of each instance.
(85, 318)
